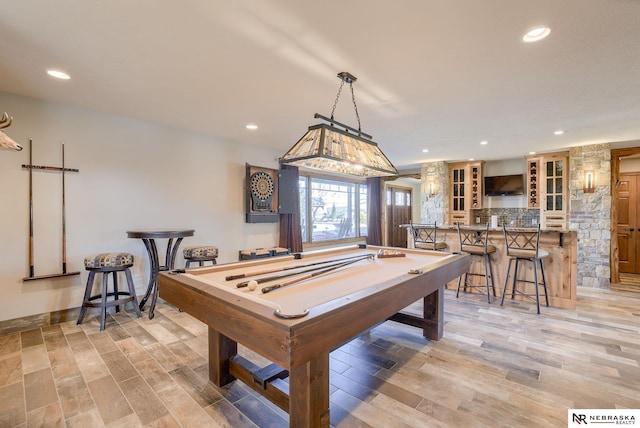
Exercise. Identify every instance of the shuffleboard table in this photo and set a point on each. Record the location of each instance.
(297, 325)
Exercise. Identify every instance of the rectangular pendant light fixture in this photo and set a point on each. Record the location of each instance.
(337, 148)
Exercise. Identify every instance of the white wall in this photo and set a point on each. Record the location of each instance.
(505, 167)
(132, 175)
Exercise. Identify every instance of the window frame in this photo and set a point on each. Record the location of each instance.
(307, 236)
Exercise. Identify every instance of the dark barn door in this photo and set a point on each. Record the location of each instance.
(398, 212)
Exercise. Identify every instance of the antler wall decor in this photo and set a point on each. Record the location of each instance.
(7, 143)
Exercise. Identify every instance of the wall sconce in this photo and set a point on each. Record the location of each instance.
(432, 190)
(589, 181)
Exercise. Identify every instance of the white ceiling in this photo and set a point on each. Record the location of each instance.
(441, 75)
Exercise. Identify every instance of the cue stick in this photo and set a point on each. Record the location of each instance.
(49, 168)
(31, 269)
(313, 274)
(64, 221)
(273, 270)
(284, 275)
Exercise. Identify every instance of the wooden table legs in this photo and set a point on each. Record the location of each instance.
(432, 321)
(308, 398)
(309, 393)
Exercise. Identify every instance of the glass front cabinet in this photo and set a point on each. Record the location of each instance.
(553, 181)
(465, 193)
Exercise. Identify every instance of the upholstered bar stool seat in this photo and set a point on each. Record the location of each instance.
(435, 246)
(107, 263)
(528, 254)
(200, 254)
(109, 260)
(478, 249)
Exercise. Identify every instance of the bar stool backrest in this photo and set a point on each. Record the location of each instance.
(522, 242)
(424, 233)
(473, 238)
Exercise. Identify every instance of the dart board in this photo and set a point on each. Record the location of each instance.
(262, 195)
(262, 188)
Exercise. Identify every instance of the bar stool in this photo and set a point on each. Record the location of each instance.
(425, 237)
(523, 245)
(475, 242)
(200, 254)
(107, 263)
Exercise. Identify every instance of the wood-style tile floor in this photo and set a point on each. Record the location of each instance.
(495, 366)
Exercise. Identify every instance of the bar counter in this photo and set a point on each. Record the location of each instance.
(560, 267)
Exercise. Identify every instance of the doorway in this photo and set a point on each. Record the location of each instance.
(628, 223)
(625, 243)
(398, 202)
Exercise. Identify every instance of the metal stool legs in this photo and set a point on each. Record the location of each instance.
(488, 275)
(535, 281)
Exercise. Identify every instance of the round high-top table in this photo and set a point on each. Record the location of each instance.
(148, 238)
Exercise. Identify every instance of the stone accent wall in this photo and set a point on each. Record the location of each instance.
(434, 208)
(590, 213)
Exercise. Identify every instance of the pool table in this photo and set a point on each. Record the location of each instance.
(297, 325)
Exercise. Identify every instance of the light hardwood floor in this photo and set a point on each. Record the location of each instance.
(495, 366)
(628, 282)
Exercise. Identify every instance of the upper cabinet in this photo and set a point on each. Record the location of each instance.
(465, 193)
(533, 183)
(555, 207)
(476, 184)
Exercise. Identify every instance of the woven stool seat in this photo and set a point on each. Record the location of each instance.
(200, 254)
(106, 264)
(108, 260)
(200, 251)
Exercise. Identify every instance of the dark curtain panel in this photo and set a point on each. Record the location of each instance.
(374, 211)
(290, 233)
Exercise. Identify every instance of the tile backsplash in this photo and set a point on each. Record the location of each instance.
(519, 217)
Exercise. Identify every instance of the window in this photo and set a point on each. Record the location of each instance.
(332, 209)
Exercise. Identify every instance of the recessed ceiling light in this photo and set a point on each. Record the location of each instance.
(251, 126)
(471, 159)
(532, 153)
(425, 150)
(58, 74)
(559, 132)
(484, 143)
(536, 34)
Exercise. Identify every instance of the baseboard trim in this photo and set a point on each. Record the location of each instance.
(37, 321)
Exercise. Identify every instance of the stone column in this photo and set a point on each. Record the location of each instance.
(590, 213)
(434, 207)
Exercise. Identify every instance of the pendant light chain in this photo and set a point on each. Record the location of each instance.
(335, 103)
(355, 107)
(353, 98)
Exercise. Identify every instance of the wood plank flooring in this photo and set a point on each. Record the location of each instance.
(628, 282)
(495, 366)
